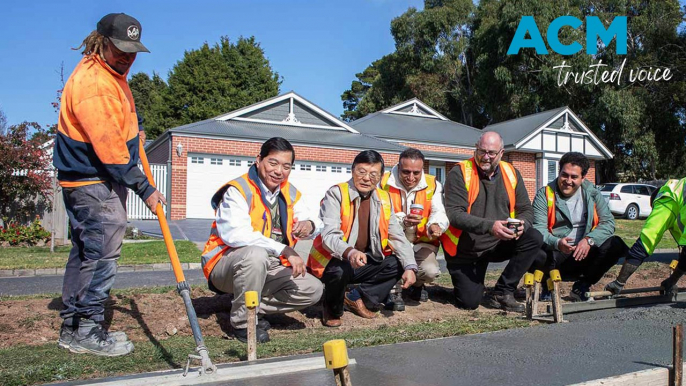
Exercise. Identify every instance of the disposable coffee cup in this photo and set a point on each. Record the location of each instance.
(513, 224)
(417, 209)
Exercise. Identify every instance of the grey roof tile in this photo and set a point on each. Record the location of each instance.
(516, 129)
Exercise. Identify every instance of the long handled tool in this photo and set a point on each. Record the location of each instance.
(206, 366)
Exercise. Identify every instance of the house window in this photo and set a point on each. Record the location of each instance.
(336, 169)
(250, 163)
(216, 161)
(321, 168)
(306, 168)
(197, 160)
(234, 162)
(552, 171)
(349, 170)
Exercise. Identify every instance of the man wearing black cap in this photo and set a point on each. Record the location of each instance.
(96, 155)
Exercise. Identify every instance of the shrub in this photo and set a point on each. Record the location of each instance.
(23, 235)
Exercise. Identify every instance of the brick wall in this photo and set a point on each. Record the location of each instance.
(245, 149)
(590, 176)
(525, 163)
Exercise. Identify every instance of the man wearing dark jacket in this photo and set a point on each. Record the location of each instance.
(481, 194)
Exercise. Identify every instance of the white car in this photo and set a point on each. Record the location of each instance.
(629, 200)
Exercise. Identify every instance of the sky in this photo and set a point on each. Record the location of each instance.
(316, 46)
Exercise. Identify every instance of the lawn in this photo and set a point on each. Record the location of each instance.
(148, 252)
(630, 230)
(23, 365)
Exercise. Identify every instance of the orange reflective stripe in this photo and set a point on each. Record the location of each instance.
(595, 217)
(510, 179)
(550, 198)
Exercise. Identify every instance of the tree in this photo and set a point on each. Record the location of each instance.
(207, 82)
(25, 182)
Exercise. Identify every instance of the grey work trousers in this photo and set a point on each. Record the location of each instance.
(252, 269)
(429, 270)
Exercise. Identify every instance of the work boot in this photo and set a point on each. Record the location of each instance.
(261, 335)
(91, 338)
(395, 298)
(418, 294)
(669, 284)
(625, 273)
(68, 329)
(579, 290)
(263, 323)
(329, 320)
(504, 301)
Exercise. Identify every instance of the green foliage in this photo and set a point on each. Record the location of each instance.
(453, 56)
(24, 235)
(208, 81)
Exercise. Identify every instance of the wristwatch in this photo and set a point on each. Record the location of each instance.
(590, 241)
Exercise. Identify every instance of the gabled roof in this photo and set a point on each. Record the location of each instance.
(517, 129)
(289, 109)
(260, 131)
(517, 132)
(414, 121)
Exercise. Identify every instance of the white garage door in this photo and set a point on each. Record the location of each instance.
(207, 173)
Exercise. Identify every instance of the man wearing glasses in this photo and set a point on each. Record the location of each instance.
(481, 195)
(362, 244)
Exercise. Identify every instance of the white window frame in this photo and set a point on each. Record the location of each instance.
(197, 160)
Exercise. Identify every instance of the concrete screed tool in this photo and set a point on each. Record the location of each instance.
(206, 366)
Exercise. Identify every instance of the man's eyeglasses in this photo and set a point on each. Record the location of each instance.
(374, 176)
(491, 153)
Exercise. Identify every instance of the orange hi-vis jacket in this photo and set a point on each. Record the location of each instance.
(97, 132)
(320, 256)
(260, 216)
(451, 237)
(422, 197)
(550, 198)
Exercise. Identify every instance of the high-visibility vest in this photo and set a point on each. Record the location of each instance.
(422, 197)
(451, 237)
(260, 218)
(320, 256)
(550, 197)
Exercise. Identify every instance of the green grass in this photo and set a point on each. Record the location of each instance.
(629, 231)
(23, 365)
(132, 253)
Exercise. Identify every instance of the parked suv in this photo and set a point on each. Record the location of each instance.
(629, 200)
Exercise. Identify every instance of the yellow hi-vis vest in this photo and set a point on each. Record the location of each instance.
(422, 197)
(320, 256)
(260, 218)
(451, 237)
(550, 197)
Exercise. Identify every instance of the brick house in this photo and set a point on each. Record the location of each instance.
(202, 156)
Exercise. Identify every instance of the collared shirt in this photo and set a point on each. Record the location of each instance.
(235, 226)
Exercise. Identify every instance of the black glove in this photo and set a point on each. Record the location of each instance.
(615, 287)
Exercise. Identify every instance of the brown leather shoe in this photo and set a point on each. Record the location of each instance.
(329, 320)
(358, 308)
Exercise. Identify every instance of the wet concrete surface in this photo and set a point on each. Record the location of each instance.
(591, 345)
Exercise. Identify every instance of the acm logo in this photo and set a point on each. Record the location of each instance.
(594, 30)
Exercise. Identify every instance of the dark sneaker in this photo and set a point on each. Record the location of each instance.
(263, 324)
(67, 336)
(395, 302)
(262, 336)
(418, 294)
(504, 301)
(96, 341)
(578, 292)
(546, 295)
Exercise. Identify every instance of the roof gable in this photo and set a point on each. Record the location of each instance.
(414, 107)
(289, 109)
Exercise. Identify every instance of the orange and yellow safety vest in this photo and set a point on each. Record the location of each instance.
(550, 197)
(260, 218)
(422, 197)
(451, 237)
(320, 256)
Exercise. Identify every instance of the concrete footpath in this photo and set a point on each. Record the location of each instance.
(591, 345)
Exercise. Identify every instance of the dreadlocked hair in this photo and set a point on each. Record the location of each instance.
(93, 44)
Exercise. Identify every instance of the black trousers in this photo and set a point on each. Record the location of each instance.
(591, 269)
(468, 276)
(375, 279)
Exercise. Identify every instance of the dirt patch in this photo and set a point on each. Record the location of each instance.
(155, 317)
